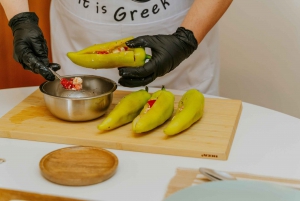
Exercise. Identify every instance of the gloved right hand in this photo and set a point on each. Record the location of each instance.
(30, 46)
(168, 51)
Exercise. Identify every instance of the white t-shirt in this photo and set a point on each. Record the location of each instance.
(81, 23)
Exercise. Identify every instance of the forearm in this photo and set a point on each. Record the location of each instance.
(203, 15)
(13, 7)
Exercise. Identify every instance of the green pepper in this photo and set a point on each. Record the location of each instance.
(190, 109)
(126, 110)
(109, 55)
(158, 109)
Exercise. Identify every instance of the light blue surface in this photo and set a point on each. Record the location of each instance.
(236, 191)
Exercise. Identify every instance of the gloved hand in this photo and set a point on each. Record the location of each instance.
(30, 47)
(168, 51)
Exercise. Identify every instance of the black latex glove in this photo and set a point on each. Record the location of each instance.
(30, 47)
(168, 51)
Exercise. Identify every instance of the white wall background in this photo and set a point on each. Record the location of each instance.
(260, 54)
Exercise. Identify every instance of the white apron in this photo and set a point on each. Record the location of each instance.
(76, 24)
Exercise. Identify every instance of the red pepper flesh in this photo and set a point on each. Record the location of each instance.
(67, 84)
(151, 102)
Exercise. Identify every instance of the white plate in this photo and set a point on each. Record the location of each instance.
(236, 191)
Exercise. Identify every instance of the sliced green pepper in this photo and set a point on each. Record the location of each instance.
(126, 110)
(190, 109)
(158, 109)
(109, 55)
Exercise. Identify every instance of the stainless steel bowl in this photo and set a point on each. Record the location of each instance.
(89, 103)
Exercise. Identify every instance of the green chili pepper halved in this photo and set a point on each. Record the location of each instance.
(190, 109)
(158, 109)
(126, 110)
(109, 55)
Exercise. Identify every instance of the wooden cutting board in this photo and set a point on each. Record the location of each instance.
(211, 137)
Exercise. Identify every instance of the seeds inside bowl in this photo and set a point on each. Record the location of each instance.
(72, 84)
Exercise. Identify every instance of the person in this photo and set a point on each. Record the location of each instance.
(182, 37)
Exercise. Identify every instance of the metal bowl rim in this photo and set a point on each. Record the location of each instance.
(83, 98)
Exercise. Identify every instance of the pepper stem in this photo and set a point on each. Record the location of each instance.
(146, 88)
(163, 87)
(148, 56)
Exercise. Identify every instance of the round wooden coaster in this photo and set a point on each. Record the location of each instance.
(78, 166)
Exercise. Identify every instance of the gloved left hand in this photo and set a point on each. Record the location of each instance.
(168, 51)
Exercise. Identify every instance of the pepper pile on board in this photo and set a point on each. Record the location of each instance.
(147, 111)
